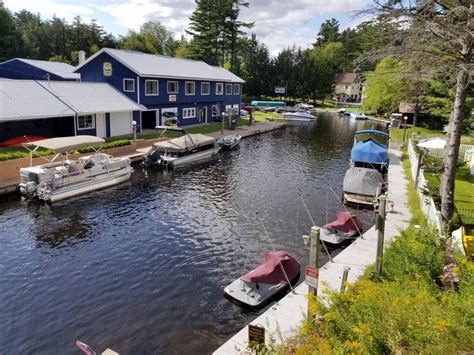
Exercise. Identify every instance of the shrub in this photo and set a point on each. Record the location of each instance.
(107, 145)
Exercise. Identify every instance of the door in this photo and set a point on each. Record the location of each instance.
(203, 114)
(120, 123)
(100, 125)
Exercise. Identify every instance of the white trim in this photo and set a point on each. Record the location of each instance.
(93, 122)
(123, 85)
(138, 89)
(194, 86)
(231, 88)
(237, 86)
(222, 91)
(209, 91)
(168, 88)
(157, 87)
(193, 115)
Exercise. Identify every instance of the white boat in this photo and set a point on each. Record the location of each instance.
(229, 142)
(298, 116)
(346, 227)
(183, 150)
(266, 282)
(65, 178)
(358, 116)
(362, 185)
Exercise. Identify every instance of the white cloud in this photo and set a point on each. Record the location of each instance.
(278, 23)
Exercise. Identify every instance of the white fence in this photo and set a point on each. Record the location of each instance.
(439, 153)
(427, 204)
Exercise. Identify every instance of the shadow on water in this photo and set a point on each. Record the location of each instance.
(141, 267)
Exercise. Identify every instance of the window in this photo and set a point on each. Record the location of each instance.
(215, 110)
(205, 88)
(228, 89)
(236, 89)
(219, 88)
(189, 112)
(85, 122)
(190, 88)
(172, 87)
(151, 87)
(129, 85)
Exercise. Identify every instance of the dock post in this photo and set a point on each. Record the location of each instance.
(381, 232)
(345, 274)
(314, 253)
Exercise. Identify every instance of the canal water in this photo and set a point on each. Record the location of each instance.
(141, 267)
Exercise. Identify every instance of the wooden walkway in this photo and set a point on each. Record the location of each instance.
(283, 319)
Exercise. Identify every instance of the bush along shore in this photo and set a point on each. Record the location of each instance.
(408, 309)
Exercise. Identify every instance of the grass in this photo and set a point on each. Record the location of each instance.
(396, 135)
(406, 310)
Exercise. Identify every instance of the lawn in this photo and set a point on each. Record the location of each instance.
(396, 135)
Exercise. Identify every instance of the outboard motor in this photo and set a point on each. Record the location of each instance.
(153, 157)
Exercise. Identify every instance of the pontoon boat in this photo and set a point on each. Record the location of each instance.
(264, 283)
(58, 180)
(229, 142)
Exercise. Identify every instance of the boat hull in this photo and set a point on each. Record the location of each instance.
(359, 199)
(330, 237)
(188, 159)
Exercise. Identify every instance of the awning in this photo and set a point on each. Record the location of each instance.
(432, 143)
(65, 144)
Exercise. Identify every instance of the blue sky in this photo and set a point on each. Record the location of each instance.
(278, 23)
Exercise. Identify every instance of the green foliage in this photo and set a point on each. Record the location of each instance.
(152, 38)
(329, 32)
(385, 86)
(10, 36)
(7, 153)
(108, 145)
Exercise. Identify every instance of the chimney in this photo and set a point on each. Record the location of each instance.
(82, 57)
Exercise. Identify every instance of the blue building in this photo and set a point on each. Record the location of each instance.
(20, 68)
(194, 91)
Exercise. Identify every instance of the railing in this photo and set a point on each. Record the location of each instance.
(427, 204)
(439, 153)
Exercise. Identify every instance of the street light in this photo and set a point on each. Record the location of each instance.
(134, 124)
(405, 118)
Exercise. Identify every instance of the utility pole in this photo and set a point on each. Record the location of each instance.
(381, 232)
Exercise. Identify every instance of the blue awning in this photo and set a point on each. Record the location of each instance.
(369, 151)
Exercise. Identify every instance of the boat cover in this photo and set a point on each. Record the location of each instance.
(65, 144)
(270, 272)
(369, 151)
(185, 143)
(363, 181)
(372, 132)
(346, 222)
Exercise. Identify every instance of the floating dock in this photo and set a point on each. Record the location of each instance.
(283, 319)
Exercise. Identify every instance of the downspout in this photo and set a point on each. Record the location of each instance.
(75, 124)
(138, 89)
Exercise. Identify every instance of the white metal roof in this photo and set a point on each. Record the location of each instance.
(63, 70)
(26, 99)
(90, 97)
(152, 65)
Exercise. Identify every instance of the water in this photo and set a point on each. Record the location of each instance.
(141, 267)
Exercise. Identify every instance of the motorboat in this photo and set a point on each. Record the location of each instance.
(298, 116)
(358, 116)
(341, 111)
(230, 141)
(346, 227)
(372, 151)
(362, 185)
(264, 283)
(181, 151)
(62, 177)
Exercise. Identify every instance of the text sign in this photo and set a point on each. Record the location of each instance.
(312, 276)
(107, 67)
(256, 334)
(172, 98)
(280, 90)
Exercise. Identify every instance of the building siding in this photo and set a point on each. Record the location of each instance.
(16, 69)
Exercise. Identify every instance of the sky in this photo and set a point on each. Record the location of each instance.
(278, 23)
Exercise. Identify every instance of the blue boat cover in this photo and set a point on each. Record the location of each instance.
(369, 151)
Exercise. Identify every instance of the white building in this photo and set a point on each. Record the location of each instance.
(348, 87)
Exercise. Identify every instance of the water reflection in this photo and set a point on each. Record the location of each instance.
(141, 267)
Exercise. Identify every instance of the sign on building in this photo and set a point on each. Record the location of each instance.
(280, 90)
(172, 98)
(107, 67)
(311, 276)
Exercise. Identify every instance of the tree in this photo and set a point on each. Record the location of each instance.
(329, 32)
(158, 40)
(438, 37)
(385, 86)
(11, 44)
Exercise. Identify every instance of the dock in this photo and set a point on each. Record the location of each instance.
(9, 185)
(283, 319)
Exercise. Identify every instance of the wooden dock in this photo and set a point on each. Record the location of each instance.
(283, 319)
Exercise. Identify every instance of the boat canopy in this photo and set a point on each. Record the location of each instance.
(268, 103)
(185, 143)
(271, 272)
(372, 132)
(65, 144)
(369, 151)
(363, 181)
(346, 222)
